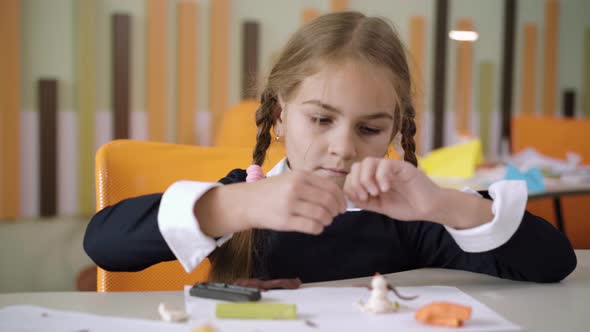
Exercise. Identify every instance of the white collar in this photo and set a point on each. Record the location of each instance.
(280, 168)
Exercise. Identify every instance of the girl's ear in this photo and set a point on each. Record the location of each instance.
(397, 144)
(278, 128)
(279, 111)
(278, 116)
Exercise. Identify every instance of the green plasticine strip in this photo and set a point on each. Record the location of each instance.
(254, 310)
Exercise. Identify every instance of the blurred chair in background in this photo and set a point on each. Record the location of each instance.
(238, 125)
(554, 137)
(238, 129)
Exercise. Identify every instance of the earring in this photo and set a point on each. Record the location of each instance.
(278, 138)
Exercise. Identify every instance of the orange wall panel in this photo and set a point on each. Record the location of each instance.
(464, 79)
(156, 70)
(309, 14)
(550, 58)
(9, 108)
(339, 5)
(219, 58)
(529, 64)
(186, 71)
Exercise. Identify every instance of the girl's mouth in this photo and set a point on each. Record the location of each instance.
(334, 171)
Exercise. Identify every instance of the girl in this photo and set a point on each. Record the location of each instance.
(339, 94)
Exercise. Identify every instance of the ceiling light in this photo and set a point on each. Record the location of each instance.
(463, 35)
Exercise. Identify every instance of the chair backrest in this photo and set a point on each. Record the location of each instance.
(238, 125)
(554, 137)
(238, 129)
(126, 168)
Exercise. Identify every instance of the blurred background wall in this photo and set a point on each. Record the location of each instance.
(170, 68)
(75, 74)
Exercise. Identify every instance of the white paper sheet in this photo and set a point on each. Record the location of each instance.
(329, 309)
(334, 309)
(25, 318)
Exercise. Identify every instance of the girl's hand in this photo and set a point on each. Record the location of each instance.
(295, 201)
(392, 187)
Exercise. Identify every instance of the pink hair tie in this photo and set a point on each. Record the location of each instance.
(254, 173)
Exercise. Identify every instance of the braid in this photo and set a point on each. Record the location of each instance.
(264, 122)
(235, 259)
(408, 132)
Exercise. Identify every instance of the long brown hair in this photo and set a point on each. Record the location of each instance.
(328, 38)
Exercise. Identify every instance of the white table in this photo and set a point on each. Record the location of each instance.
(561, 306)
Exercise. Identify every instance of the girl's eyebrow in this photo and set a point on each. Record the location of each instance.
(331, 108)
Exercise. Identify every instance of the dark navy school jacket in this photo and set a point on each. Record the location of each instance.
(126, 237)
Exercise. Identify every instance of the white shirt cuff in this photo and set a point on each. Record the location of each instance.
(180, 227)
(509, 205)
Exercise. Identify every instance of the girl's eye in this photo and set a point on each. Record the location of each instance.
(369, 130)
(321, 120)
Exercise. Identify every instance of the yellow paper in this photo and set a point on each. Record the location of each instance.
(453, 161)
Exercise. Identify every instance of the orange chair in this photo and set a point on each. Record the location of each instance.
(238, 125)
(554, 137)
(126, 168)
(238, 129)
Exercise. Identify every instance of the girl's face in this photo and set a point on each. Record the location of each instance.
(339, 116)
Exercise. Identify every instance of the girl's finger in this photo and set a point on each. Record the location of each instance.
(367, 175)
(305, 225)
(324, 198)
(354, 189)
(312, 211)
(330, 187)
(384, 175)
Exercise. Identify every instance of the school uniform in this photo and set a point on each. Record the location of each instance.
(139, 232)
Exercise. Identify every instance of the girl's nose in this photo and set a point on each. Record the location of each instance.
(343, 145)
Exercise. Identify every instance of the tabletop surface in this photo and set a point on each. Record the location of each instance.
(536, 307)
